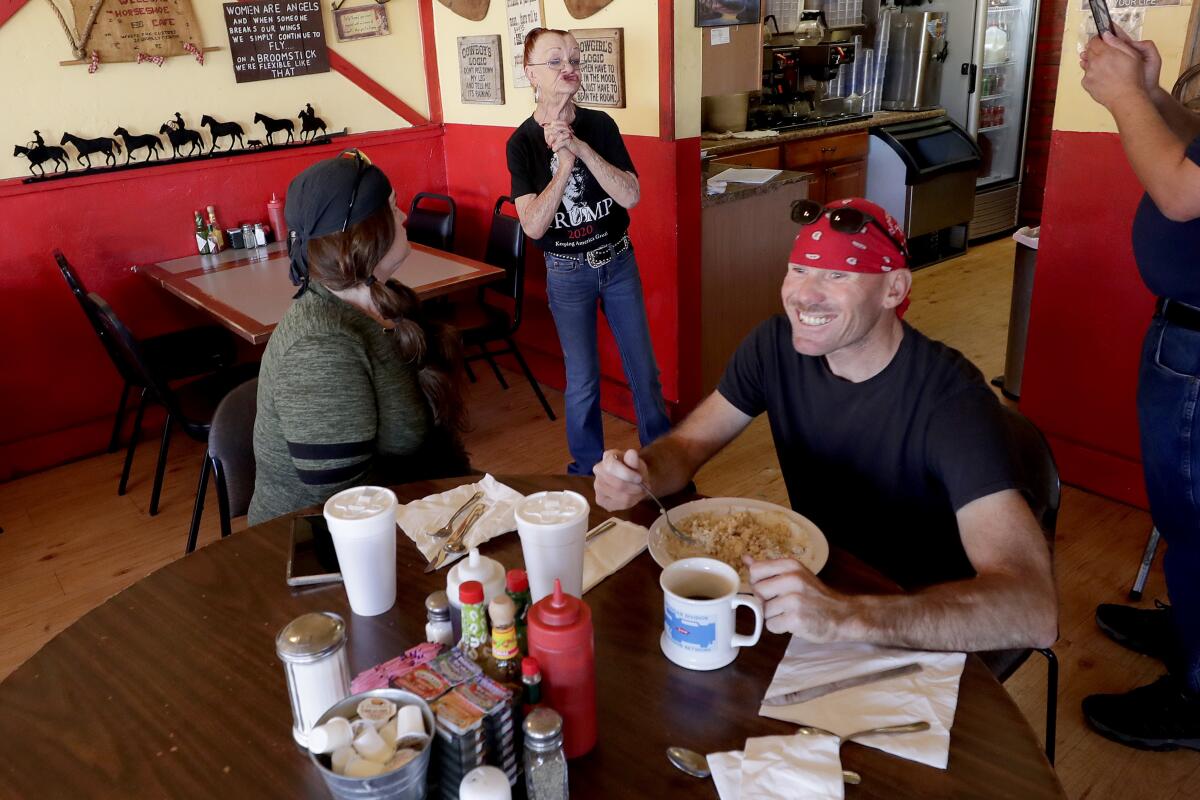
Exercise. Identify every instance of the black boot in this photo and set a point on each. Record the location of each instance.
(1161, 716)
(1149, 631)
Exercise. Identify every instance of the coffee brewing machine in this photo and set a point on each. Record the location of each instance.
(795, 79)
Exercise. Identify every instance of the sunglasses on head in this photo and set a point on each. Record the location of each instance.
(361, 162)
(843, 219)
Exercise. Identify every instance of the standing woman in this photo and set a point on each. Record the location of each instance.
(1162, 142)
(355, 386)
(573, 184)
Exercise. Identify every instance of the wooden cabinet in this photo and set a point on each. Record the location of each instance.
(763, 158)
(838, 164)
(845, 180)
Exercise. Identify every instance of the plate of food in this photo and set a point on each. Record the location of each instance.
(726, 528)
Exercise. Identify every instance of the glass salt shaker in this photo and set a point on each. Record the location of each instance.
(438, 628)
(312, 648)
(545, 762)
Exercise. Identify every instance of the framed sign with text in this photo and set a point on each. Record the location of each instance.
(523, 16)
(276, 40)
(480, 69)
(602, 67)
(361, 22)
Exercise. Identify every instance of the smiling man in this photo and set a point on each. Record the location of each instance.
(889, 441)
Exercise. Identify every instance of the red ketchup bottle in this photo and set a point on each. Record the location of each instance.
(278, 221)
(560, 638)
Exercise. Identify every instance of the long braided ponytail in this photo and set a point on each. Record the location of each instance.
(340, 261)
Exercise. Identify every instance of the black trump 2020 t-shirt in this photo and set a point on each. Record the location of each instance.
(879, 466)
(587, 217)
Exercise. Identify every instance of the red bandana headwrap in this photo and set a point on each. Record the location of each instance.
(869, 251)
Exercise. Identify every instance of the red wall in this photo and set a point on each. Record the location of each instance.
(1089, 314)
(58, 390)
(665, 234)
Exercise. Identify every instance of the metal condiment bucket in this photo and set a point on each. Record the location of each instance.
(406, 783)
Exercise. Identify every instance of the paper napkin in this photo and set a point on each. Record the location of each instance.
(421, 517)
(611, 550)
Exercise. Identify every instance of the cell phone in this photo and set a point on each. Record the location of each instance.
(1101, 16)
(313, 559)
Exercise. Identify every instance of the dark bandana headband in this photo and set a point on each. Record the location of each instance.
(318, 200)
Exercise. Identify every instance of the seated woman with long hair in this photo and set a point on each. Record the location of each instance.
(355, 387)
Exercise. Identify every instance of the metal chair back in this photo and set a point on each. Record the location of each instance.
(429, 226)
(506, 249)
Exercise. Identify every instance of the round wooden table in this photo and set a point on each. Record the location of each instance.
(172, 688)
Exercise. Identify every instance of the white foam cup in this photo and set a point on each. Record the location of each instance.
(362, 524)
(552, 527)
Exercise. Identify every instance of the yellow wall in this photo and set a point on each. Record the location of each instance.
(37, 93)
(1075, 110)
(639, 18)
(689, 72)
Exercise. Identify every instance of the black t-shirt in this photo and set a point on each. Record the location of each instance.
(879, 466)
(1167, 252)
(587, 217)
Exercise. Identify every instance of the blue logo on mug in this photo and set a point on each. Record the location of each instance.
(688, 631)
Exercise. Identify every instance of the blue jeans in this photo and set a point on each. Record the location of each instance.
(1168, 390)
(574, 287)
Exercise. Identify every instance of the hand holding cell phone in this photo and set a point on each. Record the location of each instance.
(1101, 16)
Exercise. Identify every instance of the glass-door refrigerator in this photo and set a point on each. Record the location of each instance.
(1004, 46)
(985, 88)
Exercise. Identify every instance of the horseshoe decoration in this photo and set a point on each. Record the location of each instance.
(474, 10)
(582, 9)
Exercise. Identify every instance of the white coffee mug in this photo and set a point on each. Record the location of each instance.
(362, 524)
(699, 603)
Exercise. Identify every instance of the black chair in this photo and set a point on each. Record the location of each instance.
(230, 457)
(191, 405)
(1043, 493)
(429, 226)
(495, 313)
(178, 355)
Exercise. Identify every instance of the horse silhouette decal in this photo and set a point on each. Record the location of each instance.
(181, 137)
(218, 130)
(147, 141)
(85, 148)
(39, 154)
(274, 126)
(311, 123)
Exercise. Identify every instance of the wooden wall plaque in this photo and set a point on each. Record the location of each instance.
(153, 27)
(602, 63)
(276, 40)
(361, 22)
(523, 16)
(582, 9)
(481, 69)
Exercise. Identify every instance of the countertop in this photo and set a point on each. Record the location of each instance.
(718, 147)
(739, 191)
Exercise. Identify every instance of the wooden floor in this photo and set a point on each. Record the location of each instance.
(69, 542)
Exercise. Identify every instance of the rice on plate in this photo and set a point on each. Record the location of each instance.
(729, 535)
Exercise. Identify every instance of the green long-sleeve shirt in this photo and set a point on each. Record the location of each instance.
(337, 407)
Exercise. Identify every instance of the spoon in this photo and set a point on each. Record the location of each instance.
(696, 765)
(908, 727)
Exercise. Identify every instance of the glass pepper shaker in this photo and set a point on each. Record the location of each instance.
(545, 762)
(312, 648)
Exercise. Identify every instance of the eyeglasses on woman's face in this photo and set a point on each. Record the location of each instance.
(556, 64)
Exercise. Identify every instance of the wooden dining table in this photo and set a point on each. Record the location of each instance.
(249, 290)
(172, 688)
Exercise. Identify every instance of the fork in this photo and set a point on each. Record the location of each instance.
(444, 531)
(454, 543)
(678, 533)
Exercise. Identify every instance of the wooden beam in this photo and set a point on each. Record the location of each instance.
(10, 7)
(433, 84)
(666, 70)
(362, 80)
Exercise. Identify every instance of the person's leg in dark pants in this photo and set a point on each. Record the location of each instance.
(624, 308)
(573, 290)
(1166, 714)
